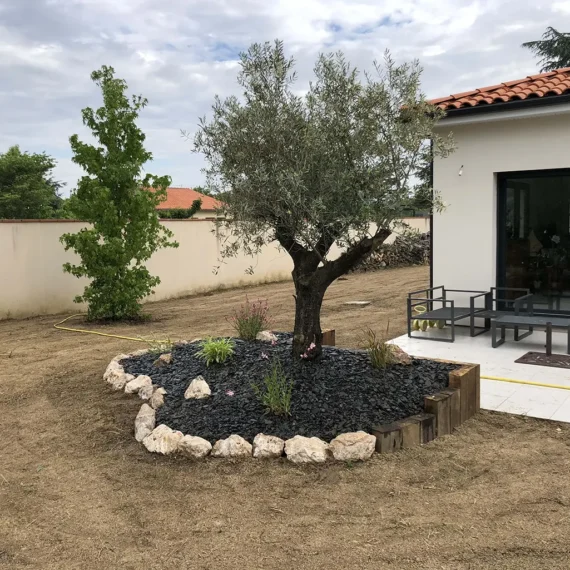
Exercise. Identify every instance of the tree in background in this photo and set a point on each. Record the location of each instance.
(422, 196)
(311, 170)
(203, 190)
(119, 203)
(27, 188)
(181, 213)
(553, 49)
(218, 195)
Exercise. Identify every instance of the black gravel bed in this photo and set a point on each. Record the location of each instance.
(339, 393)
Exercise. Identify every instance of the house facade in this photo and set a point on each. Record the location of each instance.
(507, 190)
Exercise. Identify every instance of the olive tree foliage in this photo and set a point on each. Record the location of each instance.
(120, 202)
(330, 165)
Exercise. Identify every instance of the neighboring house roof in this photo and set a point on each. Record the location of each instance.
(543, 85)
(183, 198)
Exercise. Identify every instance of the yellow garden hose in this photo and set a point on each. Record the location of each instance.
(59, 327)
(527, 382)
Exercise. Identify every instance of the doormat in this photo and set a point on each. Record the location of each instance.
(542, 359)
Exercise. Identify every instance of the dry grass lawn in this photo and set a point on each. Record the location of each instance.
(77, 492)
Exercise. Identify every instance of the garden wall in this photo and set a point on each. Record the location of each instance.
(32, 281)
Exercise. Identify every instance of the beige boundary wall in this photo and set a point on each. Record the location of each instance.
(32, 281)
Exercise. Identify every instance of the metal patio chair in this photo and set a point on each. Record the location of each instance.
(446, 309)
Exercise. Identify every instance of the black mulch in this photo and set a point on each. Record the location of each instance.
(339, 393)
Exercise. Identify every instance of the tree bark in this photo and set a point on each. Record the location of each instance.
(311, 283)
(307, 331)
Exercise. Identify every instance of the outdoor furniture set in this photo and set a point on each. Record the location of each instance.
(500, 308)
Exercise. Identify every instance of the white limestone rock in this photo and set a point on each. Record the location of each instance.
(139, 352)
(114, 366)
(163, 440)
(144, 422)
(146, 392)
(198, 389)
(157, 398)
(118, 379)
(354, 446)
(267, 446)
(303, 450)
(194, 447)
(233, 446)
(163, 360)
(399, 356)
(137, 383)
(120, 357)
(266, 336)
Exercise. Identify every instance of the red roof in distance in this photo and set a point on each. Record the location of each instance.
(183, 198)
(548, 84)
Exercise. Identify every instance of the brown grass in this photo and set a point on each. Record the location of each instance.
(77, 492)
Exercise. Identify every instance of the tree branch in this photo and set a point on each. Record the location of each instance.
(348, 260)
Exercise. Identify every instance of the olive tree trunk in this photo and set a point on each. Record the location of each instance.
(311, 283)
(307, 331)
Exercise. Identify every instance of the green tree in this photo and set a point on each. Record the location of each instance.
(214, 193)
(314, 169)
(422, 197)
(27, 187)
(182, 213)
(203, 190)
(553, 49)
(119, 202)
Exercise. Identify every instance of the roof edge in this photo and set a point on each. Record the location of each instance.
(507, 106)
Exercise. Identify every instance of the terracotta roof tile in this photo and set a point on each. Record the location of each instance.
(183, 198)
(551, 84)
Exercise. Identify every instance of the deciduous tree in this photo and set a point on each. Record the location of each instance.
(120, 203)
(27, 187)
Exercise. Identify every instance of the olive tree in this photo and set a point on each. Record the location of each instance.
(331, 164)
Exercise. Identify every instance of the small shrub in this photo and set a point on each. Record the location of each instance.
(216, 350)
(158, 345)
(276, 390)
(378, 349)
(251, 319)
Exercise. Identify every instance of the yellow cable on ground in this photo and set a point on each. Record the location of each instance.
(58, 327)
(527, 382)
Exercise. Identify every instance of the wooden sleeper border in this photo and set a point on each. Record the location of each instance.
(443, 413)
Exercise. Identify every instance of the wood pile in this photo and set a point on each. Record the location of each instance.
(404, 251)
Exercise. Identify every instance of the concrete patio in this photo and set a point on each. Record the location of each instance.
(534, 401)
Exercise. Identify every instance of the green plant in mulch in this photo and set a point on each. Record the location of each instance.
(216, 350)
(275, 391)
(251, 319)
(379, 351)
(158, 345)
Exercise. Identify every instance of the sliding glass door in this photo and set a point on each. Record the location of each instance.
(534, 236)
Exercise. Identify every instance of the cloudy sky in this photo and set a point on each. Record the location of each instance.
(180, 53)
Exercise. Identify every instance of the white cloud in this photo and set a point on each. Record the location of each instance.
(562, 7)
(179, 54)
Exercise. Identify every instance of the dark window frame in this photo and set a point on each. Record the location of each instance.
(501, 226)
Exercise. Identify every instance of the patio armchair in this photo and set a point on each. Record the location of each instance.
(498, 304)
(439, 308)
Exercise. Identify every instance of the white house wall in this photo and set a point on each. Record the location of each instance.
(465, 234)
